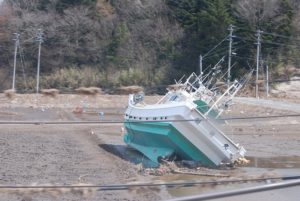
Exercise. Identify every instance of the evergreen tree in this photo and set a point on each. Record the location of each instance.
(205, 23)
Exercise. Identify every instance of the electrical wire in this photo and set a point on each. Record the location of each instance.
(214, 47)
(151, 184)
(245, 39)
(255, 189)
(150, 121)
(28, 40)
(244, 29)
(281, 44)
(281, 36)
(259, 117)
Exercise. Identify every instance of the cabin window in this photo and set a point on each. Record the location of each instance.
(130, 117)
(140, 118)
(134, 117)
(174, 98)
(146, 118)
(154, 118)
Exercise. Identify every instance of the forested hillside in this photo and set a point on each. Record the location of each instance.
(109, 43)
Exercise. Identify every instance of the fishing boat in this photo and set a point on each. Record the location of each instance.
(181, 124)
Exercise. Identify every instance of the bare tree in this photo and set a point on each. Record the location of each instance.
(256, 11)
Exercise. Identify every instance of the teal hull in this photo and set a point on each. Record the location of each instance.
(160, 139)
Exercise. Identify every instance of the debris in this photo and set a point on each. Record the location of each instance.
(101, 115)
(190, 164)
(180, 167)
(50, 92)
(10, 93)
(130, 90)
(88, 90)
(242, 161)
(122, 131)
(85, 105)
(78, 110)
(200, 173)
(175, 87)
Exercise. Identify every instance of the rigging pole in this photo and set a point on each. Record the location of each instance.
(39, 39)
(258, 43)
(200, 67)
(267, 69)
(229, 53)
(17, 41)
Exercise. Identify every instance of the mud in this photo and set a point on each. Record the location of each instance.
(96, 154)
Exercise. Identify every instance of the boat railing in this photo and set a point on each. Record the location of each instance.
(213, 126)
(223, 101)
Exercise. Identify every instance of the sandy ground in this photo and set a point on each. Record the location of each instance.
(95, 154)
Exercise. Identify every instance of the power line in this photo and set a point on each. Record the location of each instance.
(260, 117)
(281, 44)
(135, 121)
(245, 39)
(244, 29)
(281, 36)
(214, 47)
(224, 50)
(29, 39)
(152, 184)
(252, 59)
(269, 33)
(231, 193)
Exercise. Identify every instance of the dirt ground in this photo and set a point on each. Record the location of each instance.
(95, 153)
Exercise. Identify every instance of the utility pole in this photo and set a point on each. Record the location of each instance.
(17, 41)
(229, 53)
(200, 66)
(39, 39)
(258, 43)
